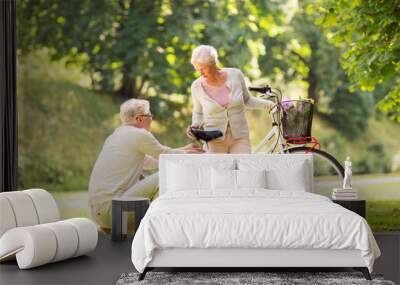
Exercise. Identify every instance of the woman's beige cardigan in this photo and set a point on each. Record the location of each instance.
(216, 117)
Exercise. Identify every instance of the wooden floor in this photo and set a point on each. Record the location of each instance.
(110, 260)
(103, 266)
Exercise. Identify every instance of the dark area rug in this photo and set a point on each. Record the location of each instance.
(273, 278)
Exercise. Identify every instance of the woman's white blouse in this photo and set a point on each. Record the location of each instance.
(216, 117)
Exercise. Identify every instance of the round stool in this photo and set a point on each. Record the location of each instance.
(120, 208)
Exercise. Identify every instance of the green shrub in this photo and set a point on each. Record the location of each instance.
(61, 129)
(374, 159)
(350, 111)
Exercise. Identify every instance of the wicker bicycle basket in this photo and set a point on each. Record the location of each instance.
(297, 120)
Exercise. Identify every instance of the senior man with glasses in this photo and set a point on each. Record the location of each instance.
(129, 150)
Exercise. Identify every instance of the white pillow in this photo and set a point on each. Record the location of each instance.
(282, 175)
(188, 177)
(295, 179)
(223, 179)
(184, 175)
(251, 178)
(226, 179)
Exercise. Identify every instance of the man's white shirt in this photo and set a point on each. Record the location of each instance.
(125, 153)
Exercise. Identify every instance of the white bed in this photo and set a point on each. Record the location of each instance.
(201, 219)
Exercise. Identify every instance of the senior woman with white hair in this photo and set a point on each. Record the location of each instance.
(219, 98)
(125, 153)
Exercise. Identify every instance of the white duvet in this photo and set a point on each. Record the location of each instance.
(254, 218)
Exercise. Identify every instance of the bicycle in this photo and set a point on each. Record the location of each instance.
(286, 136)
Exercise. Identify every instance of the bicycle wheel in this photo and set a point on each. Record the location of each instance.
(328, 172)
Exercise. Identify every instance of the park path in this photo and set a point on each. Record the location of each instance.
(380, 180)
(369, 188)
(364, 181)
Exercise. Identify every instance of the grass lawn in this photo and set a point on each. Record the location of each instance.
(382, 194)
(72, 204)
(384, 215)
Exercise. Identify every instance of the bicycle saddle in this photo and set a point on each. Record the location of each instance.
(206, 135)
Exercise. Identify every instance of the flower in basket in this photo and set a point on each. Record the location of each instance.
(286, 103)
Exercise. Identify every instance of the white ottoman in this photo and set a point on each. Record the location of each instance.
(31, 232)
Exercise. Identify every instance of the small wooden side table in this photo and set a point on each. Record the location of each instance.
(120, 207)
(357, 206)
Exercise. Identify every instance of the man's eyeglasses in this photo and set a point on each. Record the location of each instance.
(146, 115)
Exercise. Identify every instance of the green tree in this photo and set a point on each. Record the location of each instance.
(303, 52)
(349, 111)
(368, 32)
(135, 46)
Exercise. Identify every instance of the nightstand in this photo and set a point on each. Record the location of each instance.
(120, 207)
(357, 206)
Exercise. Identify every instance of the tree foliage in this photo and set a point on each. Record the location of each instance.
(142, 48)
(350, 110)
(368, 32)
(136, 45)
(303, 53)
